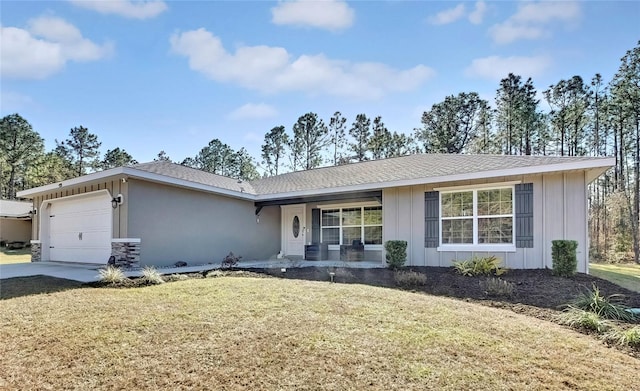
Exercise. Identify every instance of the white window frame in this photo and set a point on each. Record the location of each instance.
(475, 246)
(362, 225)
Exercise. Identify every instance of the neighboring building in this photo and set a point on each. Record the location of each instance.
(447, 207)
(15, 221)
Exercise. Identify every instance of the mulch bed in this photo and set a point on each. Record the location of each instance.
(537, 292)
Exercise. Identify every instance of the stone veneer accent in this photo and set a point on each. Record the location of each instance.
(36, 251)
(126, 252)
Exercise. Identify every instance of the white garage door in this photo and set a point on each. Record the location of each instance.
(80, 229)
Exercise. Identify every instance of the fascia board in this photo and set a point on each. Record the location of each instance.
(540, 169)
(29, 193)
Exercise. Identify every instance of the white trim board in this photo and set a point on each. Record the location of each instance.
(125, 172)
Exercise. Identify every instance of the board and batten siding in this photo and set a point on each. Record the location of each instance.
(114, 186)
(559, 212)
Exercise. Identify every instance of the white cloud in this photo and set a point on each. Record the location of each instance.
(126, 8)
(329, 14)
(272, 69)
(253, 111)
(532, 21)
(497, 68)
(477, 15)
(45, 47)
(448, 16)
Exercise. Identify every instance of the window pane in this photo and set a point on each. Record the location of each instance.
(331, 218)
(495, 202)
(495, 230)
(351, 216)
(331, 235)
(373, 235)
(372, 215)
(506, 201)
(349, 234)
(457, 204)
(457, 231)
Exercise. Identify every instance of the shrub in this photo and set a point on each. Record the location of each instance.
(396, 253)
(230, 261)
(607, 307)
(563, 254)
(112, 275)
(410, 278)
(629, 337)
(480, 267)
(176, 277)
(581, 319)
(497, 287)
(151, 276)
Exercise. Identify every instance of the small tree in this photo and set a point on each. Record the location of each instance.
(563, 254)
(396, 253)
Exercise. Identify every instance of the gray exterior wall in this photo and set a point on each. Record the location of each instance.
(560, 212)
(15, 230)
(115, 187)
(176, 224)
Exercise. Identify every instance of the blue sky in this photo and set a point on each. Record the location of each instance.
(150, 76)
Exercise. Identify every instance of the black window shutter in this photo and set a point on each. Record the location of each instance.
(431, 219)
(315, 226)
(524, 215)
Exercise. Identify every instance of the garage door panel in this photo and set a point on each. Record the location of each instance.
(80, 229)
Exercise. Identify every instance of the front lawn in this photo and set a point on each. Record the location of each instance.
(15, 256)
(626, 275)
(266, 333)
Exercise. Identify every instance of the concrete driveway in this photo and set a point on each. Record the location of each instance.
(83, 272)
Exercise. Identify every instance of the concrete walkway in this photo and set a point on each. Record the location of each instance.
(85, 272)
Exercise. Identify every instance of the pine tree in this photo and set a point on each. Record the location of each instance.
(337, 137)
(310, 138)
(20, 147)
(273, 149)
(380, 139)
(80, 150)
(361, 133)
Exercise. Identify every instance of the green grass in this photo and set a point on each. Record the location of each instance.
(274, 334)
(14, 256)
(625, 275)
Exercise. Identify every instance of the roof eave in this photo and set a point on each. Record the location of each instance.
(593, 167)
(159, 178)
(130, 172)
(30, 193)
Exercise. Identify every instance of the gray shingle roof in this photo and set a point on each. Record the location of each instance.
(374, 172)
(193, 175)
(400, 169)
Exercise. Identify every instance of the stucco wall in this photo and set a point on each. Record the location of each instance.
(176, 224)
(15, 230)
(560, 212)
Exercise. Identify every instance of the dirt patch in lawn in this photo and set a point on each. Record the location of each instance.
(536, 293)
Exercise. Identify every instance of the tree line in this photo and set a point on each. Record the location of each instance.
(577, 117)
(24, 163)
